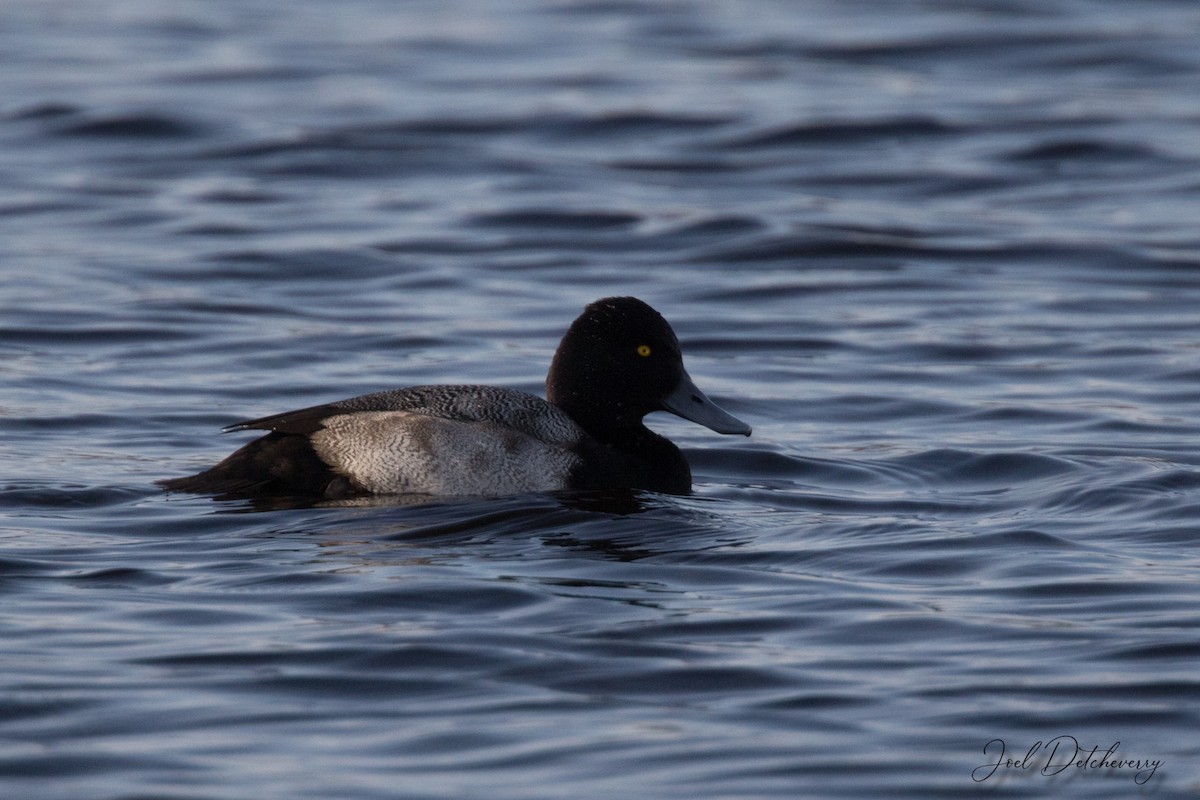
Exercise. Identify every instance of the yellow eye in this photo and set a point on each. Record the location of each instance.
(643, 350)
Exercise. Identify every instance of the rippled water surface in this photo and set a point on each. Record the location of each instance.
(944, 257)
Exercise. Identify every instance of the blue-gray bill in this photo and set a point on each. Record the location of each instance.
(690, 403)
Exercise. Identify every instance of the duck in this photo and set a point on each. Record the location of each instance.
(618, 361)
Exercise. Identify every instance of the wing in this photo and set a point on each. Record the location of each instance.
(427, 439)
(519, 411)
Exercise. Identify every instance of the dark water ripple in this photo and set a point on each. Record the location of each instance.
(942, 257)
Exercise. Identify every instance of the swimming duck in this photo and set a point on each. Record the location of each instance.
(618, 361)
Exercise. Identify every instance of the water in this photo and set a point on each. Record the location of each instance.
(942, 256)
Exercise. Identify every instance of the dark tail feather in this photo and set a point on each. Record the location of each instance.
(278, 464)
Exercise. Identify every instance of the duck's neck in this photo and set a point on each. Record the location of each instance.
(654, 461)
(660, 464)
(613, 424)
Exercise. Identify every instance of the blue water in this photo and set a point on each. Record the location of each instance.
(944, 257)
